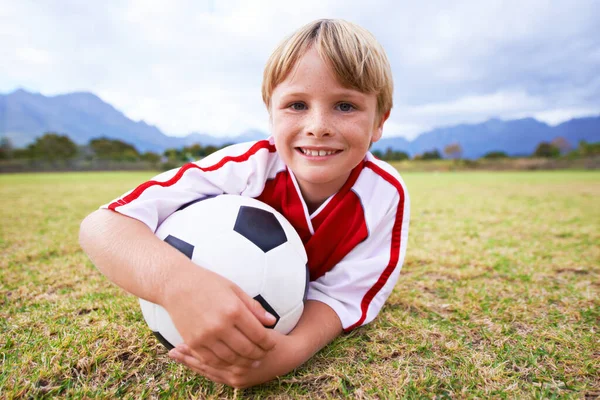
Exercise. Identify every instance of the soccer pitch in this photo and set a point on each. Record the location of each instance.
(499, 297)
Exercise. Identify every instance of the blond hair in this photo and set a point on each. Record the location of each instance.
(356, 58)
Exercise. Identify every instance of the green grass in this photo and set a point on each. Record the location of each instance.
(498, 298)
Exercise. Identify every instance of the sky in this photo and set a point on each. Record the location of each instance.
(196, 66)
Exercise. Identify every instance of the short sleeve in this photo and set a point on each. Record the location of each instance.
(237, 169)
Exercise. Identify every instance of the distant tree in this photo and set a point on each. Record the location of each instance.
(112, 149)
(495, 154)
(189, 153)
(395, 155)
(128, 155)
(52, 146)
(150, 157)
(6, 148)
(389, 153)
(172, 154)
(401, 155)
(195, 151)
(562, 144)
(210, 149)
(586, 149)
(85, 152)
(546, 150)
(453, 151)
(429, 155)
(22, 153)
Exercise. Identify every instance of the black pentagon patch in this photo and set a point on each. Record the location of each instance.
(306, 284)
(164, 341)
(181, 245)
(269, 309)
(260, 227)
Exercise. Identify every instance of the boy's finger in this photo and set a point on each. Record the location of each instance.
(257, 309)
(257, 334)
(190, 362)
(247, 351)
(203, 355)
(221, 355)
(209, 373)
(228, 356)
(252, 327)
(265, 318)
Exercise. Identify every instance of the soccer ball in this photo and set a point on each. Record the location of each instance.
(245, 241)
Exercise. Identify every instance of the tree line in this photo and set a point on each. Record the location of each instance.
(558, 147)
(55, 148)
(52, 147)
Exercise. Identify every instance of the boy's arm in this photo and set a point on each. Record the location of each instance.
(318, 326)
(224, 323)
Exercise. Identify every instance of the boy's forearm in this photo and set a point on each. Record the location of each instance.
(129, 254)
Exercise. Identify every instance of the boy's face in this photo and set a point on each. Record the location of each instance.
(322, 129)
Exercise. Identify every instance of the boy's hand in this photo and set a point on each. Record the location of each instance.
(218, 321)
(237, 376)
(318, 325)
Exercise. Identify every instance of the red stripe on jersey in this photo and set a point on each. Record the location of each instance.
(395, 248)
(339, 196)
(137, 192)
(341, 231)
(281, 194)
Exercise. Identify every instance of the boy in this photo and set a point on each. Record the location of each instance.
(328, 89)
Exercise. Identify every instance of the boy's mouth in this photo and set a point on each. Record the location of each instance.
(317, 152)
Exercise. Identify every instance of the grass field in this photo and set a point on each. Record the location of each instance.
(498, 298)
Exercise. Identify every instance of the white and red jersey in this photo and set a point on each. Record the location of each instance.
(355, 241)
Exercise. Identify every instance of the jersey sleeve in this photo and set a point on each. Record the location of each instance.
(358, 286)
(238, 169)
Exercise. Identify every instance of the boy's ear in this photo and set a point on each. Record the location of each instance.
(379, 129)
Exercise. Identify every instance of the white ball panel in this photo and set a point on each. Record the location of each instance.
(285, 279)
(233, 257)
(288, 321)
(159, 320)
(166, 326)
(237, 201)
(149, 314)
(211, 214)
(184, 228)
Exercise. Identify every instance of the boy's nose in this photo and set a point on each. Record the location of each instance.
(319, 125)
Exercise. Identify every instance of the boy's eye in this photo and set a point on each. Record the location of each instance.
(345, 107)
(298, 106)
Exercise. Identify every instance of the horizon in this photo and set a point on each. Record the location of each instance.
(267, 133)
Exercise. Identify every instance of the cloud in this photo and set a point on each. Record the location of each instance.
(197, 65)
(556, 116)
(30, 55)
(467, 109)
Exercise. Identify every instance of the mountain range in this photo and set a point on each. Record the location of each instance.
(84, 116)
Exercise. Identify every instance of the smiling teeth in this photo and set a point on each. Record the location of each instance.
(317, 153)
